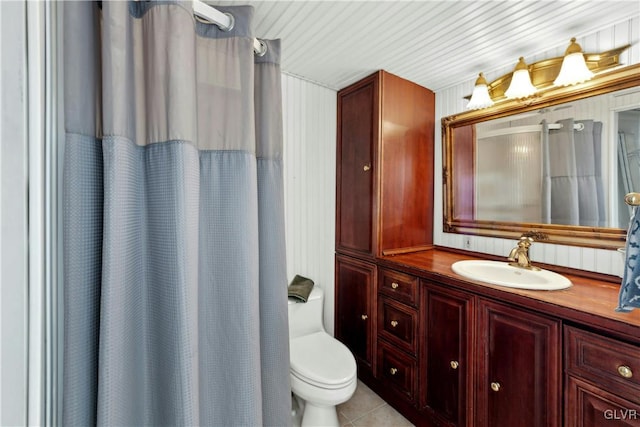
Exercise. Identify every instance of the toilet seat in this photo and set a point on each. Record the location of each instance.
(322, 361)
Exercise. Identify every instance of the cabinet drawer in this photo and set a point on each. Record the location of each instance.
(588, 406)
(613, 365)
(397, 369)
(398, 324)
(400, 286)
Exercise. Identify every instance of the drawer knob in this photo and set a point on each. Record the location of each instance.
(394, 323)
(393, 371)
(364, 317)
(454, 364)
(495, 386)
(366, 167)
(625, 371)
(394, 285)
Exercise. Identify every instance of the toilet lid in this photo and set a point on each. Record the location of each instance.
(322, 360)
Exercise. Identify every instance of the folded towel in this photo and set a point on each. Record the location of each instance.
(630, 288)
(300, 288)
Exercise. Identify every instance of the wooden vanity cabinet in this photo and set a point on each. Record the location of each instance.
(519, 379)
(447, 352)
(487, 363)
(384, 200)
(397, 328)
(355, 310)
(602, 377)
(447, 369)
(425, 333)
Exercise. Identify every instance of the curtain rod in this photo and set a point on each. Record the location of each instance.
(209, 14)
(525, 129)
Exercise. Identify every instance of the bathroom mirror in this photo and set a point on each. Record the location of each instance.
(556, 165)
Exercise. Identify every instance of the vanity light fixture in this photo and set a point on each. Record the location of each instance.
(574, 69)
(521, 86)
(547, 74)
(480, 97)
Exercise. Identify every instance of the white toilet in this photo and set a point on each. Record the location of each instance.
(323, 370)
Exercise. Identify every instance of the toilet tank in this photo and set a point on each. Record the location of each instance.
(306, 317)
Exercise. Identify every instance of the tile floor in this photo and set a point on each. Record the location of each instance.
(366, 408)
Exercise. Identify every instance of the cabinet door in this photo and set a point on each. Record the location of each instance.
(405, 166)
(354, 313)
(396, 370)
(519, 368)
(448, 371)
(357, 115)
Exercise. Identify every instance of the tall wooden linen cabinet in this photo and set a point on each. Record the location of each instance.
(384, 200)
(384, 167)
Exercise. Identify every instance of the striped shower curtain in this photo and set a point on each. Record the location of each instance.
(175, 303)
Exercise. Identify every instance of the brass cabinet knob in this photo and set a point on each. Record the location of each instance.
(454, 364)
(364, 317)
(367, 167)
(394, 285)
(394, 323)
(625, 371)
(393, 371)
(495, 386)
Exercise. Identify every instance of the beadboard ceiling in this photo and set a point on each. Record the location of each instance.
(434, 43)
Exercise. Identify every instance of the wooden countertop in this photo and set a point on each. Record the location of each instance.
(589, 301)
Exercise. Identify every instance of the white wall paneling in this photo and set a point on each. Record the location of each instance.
(13, 216)
(309, 116)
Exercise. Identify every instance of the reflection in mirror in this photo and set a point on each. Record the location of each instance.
(628, 144)
(560, 167)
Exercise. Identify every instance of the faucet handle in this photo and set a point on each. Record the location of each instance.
(534, 235)
(528, 239)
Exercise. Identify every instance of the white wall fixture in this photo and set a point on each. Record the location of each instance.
(480, 97)
(574, 68)
(521, 86)
(527, 80)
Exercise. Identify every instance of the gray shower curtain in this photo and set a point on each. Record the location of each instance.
(175, 304)
(572, 186)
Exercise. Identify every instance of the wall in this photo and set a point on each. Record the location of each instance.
(451, 101)
(13, 216)
(309, 116)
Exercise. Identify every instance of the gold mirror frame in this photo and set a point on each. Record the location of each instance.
(595, 237)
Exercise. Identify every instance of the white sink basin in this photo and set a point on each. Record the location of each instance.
(503, 274)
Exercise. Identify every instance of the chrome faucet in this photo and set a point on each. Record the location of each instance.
(519, 256)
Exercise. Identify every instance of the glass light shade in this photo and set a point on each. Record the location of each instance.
(480, 97)
(520, 86)
(574, 70)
